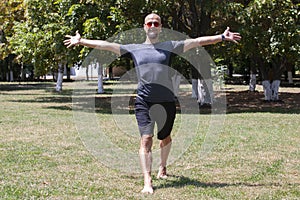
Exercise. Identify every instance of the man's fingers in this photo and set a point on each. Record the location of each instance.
(67, 42)
(237, 37)
(232, 36)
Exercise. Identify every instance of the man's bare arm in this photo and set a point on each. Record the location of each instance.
(207, 40)
(97, 44)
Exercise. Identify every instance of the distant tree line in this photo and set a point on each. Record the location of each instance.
(32, 32)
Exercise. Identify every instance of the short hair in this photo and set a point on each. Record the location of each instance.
(152, 14)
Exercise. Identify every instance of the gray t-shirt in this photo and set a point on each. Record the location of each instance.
(152, 67)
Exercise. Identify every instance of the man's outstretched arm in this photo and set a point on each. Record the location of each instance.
(207, 40)
(97, 44)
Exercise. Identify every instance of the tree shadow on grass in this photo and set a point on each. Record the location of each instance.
(24, 88)
(182, 181)
(245, 101)
(237, 101)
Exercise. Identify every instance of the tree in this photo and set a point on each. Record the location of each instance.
(38, 40)
(270, 40)
(96, 20)
(198, 18)
(10, 12)
(36, 36)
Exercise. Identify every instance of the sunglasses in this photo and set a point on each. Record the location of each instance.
(149, 24)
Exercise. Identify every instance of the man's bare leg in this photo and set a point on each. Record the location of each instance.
(165, 147)
(146, 162)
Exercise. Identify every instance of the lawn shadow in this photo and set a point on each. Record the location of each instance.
(26, 86)
(181, 181)
(175, 181)
(237, 101)
(245, 101)
(61, 98)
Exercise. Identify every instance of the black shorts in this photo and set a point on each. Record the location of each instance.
(149, 113)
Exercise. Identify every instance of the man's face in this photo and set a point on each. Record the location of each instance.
(152, 26)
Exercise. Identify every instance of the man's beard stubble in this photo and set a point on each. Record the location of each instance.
(152, 34)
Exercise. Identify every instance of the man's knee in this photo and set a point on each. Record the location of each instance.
(165, 141)
(146, 143)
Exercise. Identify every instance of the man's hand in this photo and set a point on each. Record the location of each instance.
(73, 40)
(230, 36)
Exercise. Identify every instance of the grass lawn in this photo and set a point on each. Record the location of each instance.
(45, 153)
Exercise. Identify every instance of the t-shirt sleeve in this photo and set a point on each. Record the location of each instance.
(124, 51)
(178, 47)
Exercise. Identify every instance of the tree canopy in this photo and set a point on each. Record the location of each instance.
(34, 30)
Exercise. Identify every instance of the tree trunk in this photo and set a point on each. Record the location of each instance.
(100, 78)
(278, 66)
(209, 97)
(11, 75)
(110, 73)
(267, 89)
(195, 75)
(205, 18)
(205, 91)
(290, 68)
(275, 89)
(265, 75)
(176, 79)
(201, 80)
(87, 72)
(201, 92)
(194, 88)
(252, 82)
(68, 70)
(60, 74)
(290, 77)
(271, 76)
(22, 72)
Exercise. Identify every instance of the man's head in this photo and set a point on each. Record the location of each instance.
(152, 25)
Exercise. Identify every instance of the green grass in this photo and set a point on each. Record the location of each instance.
(256, 154)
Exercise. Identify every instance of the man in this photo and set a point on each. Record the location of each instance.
(154, 93)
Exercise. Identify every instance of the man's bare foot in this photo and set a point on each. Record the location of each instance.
(162, 173)
(147, 184)
(147, 189)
